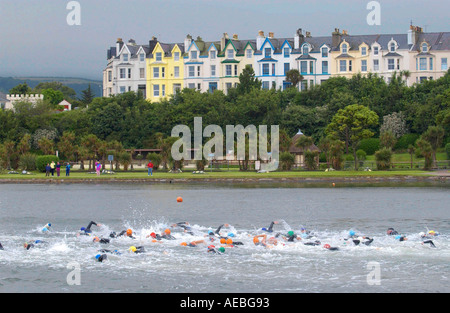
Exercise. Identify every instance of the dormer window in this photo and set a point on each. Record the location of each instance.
(267, 52)
(392, 47)
(142, 57)
(305, 50)
(158, 56)
(212, 54)
(249, 53)
(424, 47)
(363, 51)
(230, 54)
(125, 57)
(193, 54)
(324, 52)
(286, 52)
(375, 50)
(176, 56)
(344, 48)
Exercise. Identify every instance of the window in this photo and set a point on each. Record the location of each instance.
(212, 87)
(286, 52)
(444, 65)
(423, 64)
(304, 67)
(286, 68)
(158, 56)
(122, 89)
(249, 53)
(125, 57)
(265, 69)
(155, 90)
(129, 73)
(193, 54)
(273, 69)
(176, 88)
(324, 52)
(235, 70)
(398, 64)
(267, 52)
(176, 71)
(265, 85)
(109, 76)
(364, 51)
(191, 71)
(324, 67)
(228, 70)
(392, 47)
(142, 73)
(198, 71)
(142, 57)
(342, 66)
(176, 56)
(156, 72)
(424, 48)
(311, 67)
(304, 85)
(230, 54)
(431, 64)
(363, 65)
(305, 50)
(212, 54)
(376, 65)
(163, 90)
(122, 73)
(199, 86)
(344, 48)
(191, 86)
(163, 72)
(228, 86)
(350, 63)
(213, 70)
(391, 64)
(375, 50)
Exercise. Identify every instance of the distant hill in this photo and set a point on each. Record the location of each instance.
(77, 84)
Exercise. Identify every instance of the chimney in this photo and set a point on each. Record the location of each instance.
(344, 32)
(152, 43)
(260, 40)
(271, 34)
(223, 41)
(308, 34)
(413, 34)
(132, 42)
(235, 36)
(119, 45)
(336, 38)
(187, 42)
(298, 38)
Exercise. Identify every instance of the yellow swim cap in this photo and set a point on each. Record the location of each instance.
(132, 248)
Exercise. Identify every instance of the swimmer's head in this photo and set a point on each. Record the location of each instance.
(132, 249)
(290, 233)
(221, 249)
(327, 246)
(210, 233)
(264, 229)
(96, 239)
(255, 240)
(153, 235)
(167, 231)
(230, 235)
(223, 241)
(83, 228)
(129, 232)
(229, 241)
(183, 244)
(352, 233)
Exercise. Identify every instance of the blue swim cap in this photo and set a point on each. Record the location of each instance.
(44, 229)
(352, 233)
(398, 237)
(83, 228)
(210, 232)
(230, 235)
(37, 241)
(97, 256)
(50, 225)
(264, 228)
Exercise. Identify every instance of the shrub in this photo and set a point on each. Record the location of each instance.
(287, 160)
(27, 162)
(43, 160)
(383, 158)
(406, 140)
(361, 156)
(310, 159)
(447, 149)
(370, 145)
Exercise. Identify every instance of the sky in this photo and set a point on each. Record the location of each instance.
(37, 40)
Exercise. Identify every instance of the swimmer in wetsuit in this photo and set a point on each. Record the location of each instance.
(192, 243)
(101, 257)
(270, 229)
(126, 233)
(29, 246)
(185, 226)
(139, 249)
(87, 230)
(431, 243)
(100, 240)
(328, 247)
(391, 232)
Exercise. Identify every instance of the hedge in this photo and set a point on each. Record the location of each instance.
(370, 146)
(43, 160)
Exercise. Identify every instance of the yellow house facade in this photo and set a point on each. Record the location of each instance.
(165, 71)
(348, 60)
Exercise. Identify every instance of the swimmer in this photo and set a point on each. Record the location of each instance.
(100, 240)
(192, 243)
(313, 243)
(126, 233)
(212, 249)
(363, 240)
(46, 228)
(185, 226)
(166, 235)
(270, 229)
(429, 242)
(88, 228)
(328, 247)
(29, 246)
(136, 250)
(401, 238)
(391, 232)
(264, 241)
(1, 247)
(116, 252)
(291, 236)
(305, 234)
(101, 257)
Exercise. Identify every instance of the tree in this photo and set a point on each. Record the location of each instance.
(425, 149)
(46, 145)
(66, 145)
(435, 136)
(352, 125)
(387, 140)
(21, 89)
(395, 123)
(53, 96)
(87, 95)
(294, 77)
(248, 81)
(68, 93)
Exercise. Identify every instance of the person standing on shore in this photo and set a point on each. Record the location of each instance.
(150, 168)
(52, 168)
(58, 169)
(47, 170)
(98, 167)
(68, 169)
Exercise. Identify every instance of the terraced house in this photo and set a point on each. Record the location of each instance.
(161, 69)
(165, 68)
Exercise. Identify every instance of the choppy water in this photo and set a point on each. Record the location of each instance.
(329, 213)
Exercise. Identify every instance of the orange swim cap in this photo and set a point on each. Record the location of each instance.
(327, 246)
(183, 244)
(167, 231)
(129, 232)
(96, 239)
(222, 240)
(255, 240)
(229, 241)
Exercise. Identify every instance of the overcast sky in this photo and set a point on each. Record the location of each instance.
(36, 40)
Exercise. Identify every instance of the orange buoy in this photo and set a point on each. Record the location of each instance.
(334, 184)
(179, 199)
